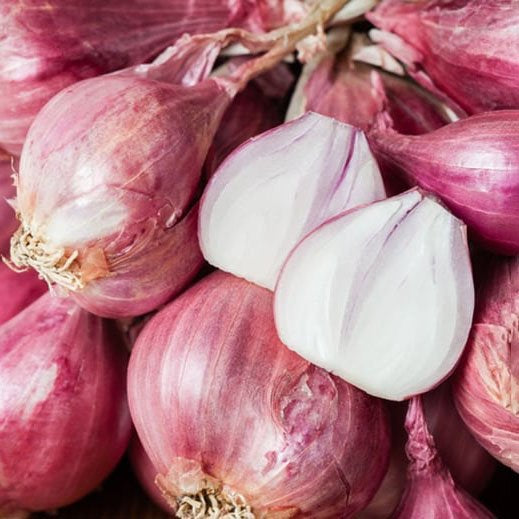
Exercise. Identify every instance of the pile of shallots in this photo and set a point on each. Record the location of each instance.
(267, 248)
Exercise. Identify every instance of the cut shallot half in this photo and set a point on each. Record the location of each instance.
(279, 186)
(381, 296)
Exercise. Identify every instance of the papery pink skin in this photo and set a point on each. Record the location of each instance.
(135, 148)
(348, 91)
(431, 491)
(256, 109)
(212, 390)
(470, 164)
(49, 45)
(64, 421)
(468, 48)
(145, 472)
(486, 384)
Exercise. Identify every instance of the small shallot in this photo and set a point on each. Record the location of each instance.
(279, 186)
(64, 420)
(236, 423)
(486, 384)
(381, 296)
(431, 492)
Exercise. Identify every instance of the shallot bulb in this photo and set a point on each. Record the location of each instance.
(431, 491)
(46, 46)
(465, 49)
(381, 296)
(486, 384)
(106, 195)
(279, 186)
(235, 422)
(64, 420)
(471, 164)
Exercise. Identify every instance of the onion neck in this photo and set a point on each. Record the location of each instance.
(282, 42)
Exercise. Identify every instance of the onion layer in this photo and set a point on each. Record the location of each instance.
(224, 410)
(64, 421)
(381, 295)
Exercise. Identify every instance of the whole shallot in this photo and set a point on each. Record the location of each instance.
(235, 422)
(64, 421)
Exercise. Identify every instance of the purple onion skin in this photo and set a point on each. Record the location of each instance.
(135, 147)
(486, 383)
(470, 164)
(64, 421)
(46, 46)
(431, 491)
(343, 89)
(467, 47)
(296, 444)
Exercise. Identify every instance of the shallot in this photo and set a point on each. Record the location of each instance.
(464, 49)
(279, 186)
(64, 420)
(381, 296)
(486, 384)
(431, 491)
(471, 164)
(236, 423)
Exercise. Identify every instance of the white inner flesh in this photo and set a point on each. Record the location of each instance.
(278, 187)
(382, 297)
